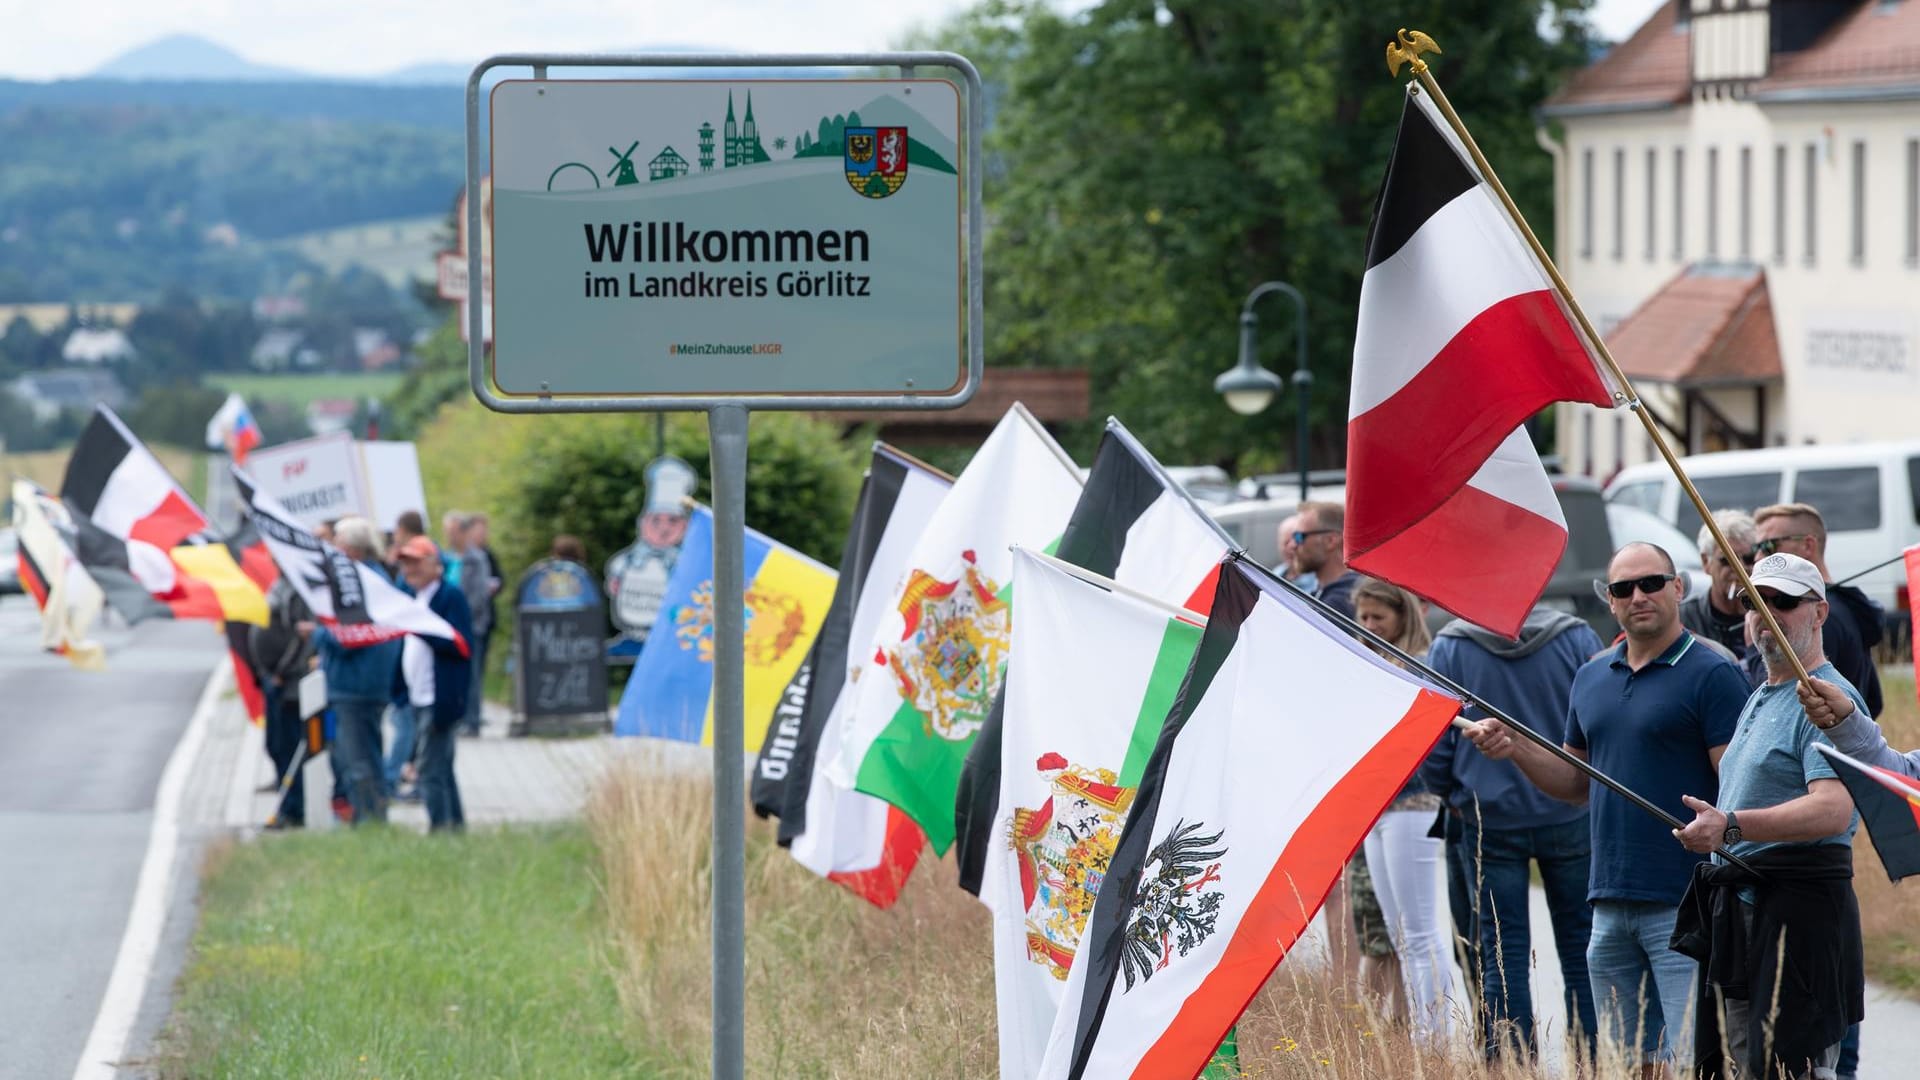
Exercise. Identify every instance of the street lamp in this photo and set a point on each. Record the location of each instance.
(1249, 388)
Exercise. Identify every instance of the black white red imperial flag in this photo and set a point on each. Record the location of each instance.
(1461, 339)
(358, 604)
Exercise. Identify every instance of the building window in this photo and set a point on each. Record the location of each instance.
(1913, 202)
(1619, 440)
(1679, 202)
(1811, 197)
(1619, 205)
(1586, 441)
(1713, 202)
(1857, 247)
(1746, 203)
(1586, 204)
(1653, 167)
(1780, 203)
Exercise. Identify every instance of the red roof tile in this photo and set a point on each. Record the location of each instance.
(1710, 325)
(1875, 45)
(1650, 68)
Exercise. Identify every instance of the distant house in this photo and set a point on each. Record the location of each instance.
(97, 345)
(49, 392)
(276, 349)
(272, 309)
(374, 349)
(328, 415)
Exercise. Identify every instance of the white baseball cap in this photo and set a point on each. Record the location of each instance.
(1789, 574)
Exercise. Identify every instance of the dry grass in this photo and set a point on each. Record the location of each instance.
(1889, 913)
(838, 989)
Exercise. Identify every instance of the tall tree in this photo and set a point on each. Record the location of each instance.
(1150, 163)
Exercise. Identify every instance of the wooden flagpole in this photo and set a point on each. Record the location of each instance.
(1405, 51)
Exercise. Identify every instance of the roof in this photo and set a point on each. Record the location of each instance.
(1710, 326)
(1872, 50)
(1876, 47)
(1051, 394)
(1650, 69)
(93, 345)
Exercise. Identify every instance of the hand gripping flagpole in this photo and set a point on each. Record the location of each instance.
(1468, 697)
(1405, 51)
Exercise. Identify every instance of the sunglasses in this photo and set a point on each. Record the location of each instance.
(1768, 547)
(1650, 584)
(1746, 560)
(1301, 537)
(1776, 601)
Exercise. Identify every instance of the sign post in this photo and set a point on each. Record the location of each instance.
(725, 244)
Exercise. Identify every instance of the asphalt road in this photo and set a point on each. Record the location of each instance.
(80, 760)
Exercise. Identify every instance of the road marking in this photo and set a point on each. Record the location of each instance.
(120, 1005)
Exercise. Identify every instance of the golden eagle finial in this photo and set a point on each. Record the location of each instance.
(1407, 49)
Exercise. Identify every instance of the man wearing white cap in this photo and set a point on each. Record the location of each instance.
(1779, 947)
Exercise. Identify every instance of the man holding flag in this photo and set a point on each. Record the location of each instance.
(359, 682)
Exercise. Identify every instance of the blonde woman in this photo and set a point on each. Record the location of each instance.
(1402, 859)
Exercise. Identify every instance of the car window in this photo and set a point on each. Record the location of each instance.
(1642, 495)
(1747, 491)
(1848, 499)
(1913, 486)
(1589, 540)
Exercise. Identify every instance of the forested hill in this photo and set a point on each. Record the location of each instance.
(113, 190)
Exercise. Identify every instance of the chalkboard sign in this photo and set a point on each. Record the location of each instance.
(563, 662)
(560, 638)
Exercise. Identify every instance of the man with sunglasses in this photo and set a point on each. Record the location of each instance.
(1853, 620)
(1714, 613)
(1779, 946)
(1320, 549)
(1654, 712)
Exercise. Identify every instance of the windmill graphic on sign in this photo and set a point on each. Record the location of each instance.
(624, 166)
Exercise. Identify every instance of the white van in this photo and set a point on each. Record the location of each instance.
(1869, 494)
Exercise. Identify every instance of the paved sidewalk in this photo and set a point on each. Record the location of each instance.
(502, 780)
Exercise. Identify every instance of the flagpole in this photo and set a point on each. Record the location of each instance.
(1100, 581)
(1405, 50)
(1468, 697)
(1052, 445)
(891, 450)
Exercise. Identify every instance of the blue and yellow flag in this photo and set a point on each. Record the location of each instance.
(670, 695)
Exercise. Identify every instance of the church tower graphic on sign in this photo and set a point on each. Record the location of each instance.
(742, 139)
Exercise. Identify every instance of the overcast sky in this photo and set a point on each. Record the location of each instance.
(43, 39)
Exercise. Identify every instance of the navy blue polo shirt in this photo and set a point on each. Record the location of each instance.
(1651, 730)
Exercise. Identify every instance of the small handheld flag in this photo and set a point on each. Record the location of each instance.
(1889, 803)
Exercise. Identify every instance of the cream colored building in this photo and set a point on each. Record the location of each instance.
(1737, 208)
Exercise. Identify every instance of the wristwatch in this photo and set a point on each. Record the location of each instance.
(1732, 836)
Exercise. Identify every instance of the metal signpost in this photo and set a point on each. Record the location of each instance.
(723, 244)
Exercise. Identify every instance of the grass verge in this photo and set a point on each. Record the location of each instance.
(299, 391)
(383, 953)
(1889, 913)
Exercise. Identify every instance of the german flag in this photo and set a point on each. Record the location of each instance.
(1890, 805)
(153, 552)
(68, 599)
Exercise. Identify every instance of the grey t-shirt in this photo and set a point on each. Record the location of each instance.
(1771, 759)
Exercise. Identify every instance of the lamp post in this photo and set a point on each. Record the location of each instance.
(1249, 388)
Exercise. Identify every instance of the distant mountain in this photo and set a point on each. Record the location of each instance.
(188, 56)
(435, 73)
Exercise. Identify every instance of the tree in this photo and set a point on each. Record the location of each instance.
(1150, 163)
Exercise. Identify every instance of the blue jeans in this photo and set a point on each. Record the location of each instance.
(405, 729)
(1500, 887)
(438, 789)
(356, 758)
(1644, 989)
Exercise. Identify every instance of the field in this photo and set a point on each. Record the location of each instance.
(298, 391)
(48, 467)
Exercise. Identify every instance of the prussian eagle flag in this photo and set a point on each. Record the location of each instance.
(357, 603)
(1461, 338)
(1889, 804)
(856, 840)
(1133, 524)
(1285, 742)
(938, 656)
(1093, 675)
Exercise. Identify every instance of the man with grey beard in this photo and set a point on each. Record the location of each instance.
(1779, 945)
